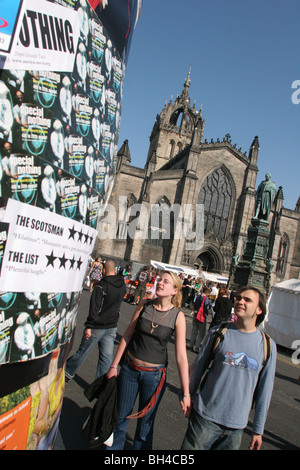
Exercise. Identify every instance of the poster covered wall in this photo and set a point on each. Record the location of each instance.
(62, 68)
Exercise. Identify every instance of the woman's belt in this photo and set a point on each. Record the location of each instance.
(154, 397)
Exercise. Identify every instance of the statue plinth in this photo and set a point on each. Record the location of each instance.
(254, 268)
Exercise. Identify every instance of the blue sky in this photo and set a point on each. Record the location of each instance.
(244, 57)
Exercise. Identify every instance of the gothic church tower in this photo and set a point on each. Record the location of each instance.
(173, 129)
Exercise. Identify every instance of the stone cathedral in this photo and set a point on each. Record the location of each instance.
(183, 167)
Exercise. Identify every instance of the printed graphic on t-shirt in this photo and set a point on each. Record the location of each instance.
(240, 360)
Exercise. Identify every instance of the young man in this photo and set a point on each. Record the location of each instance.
(101, 323)
(222, 406)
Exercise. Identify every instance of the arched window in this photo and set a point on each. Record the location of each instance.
(172, 147)
(180, 146)
(159, 222)
(176, 117)
(124, 216)
(282, 254)
(216, 194)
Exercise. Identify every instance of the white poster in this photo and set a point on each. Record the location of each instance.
(44, 252)
(46, 38)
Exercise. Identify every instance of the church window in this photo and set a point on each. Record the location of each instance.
(176, 117)
(216, 195)
(282, 254)
(179, 145)
(125, 217)
(159, 222)
(172, 147)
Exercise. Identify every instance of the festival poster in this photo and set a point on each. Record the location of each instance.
(33, 324)
(45, 250)
(9, 14)
(101, 172)
(93, 208)
(27, 334)
(95, 81)
(45, 85)
(117, 73)
(61, 78)
(47, 44)
(29, 415)
(119, 17)
(14, 425)
(82, 111)
(33, 129)
(20, 174)
(97, 40)
(66, 3)
(76, 151)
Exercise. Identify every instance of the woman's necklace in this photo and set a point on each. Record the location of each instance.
(154, 326)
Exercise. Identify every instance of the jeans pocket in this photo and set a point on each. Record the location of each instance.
(158, 375)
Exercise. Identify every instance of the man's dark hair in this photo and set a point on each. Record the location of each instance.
(206, 289)
(261, 303)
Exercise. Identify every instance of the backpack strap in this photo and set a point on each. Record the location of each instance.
(267, 353)
(218, 336)
(267, 347)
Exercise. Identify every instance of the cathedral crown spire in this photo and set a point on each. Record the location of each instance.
(188, 78)
(185, 92)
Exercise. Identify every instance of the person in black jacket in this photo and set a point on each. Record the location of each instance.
(222, 308)
(101, 323)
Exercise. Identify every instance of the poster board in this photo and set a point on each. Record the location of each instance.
(62, 69)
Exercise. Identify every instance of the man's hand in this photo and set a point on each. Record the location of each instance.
(256, 442)
(88, 333)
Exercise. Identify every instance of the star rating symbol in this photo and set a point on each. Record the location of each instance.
(63, 261)
(79, 263)
(81, 236)
(74, 263)
(72, 233)
(51, 259)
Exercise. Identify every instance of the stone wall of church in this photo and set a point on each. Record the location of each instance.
(295, 263)
(289, 224)
(129, 180)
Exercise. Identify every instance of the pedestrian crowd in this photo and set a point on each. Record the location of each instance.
(233, 370)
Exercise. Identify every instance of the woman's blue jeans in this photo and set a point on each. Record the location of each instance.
(105, 339)
(130, 383)
(206, 435)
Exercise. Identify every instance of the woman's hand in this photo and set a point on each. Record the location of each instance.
(185, 403)
(112, 372)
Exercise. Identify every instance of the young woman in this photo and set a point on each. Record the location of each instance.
(143, 371)
(95, 273)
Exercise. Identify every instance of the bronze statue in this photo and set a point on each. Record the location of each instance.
(265, 195)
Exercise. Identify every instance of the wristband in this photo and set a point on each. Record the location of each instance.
(113, 367)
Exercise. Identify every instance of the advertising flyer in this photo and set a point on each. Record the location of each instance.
(29, 415)
(41, 248)
(48, 38)
(62, 69)
(8, 23)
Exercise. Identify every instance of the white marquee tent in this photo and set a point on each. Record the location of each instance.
(282, 321)
(189, 271)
